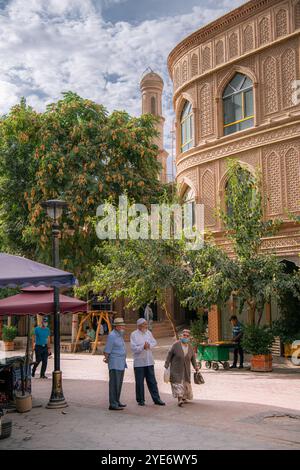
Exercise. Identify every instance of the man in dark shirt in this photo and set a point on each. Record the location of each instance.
(41, 346)
(237, 334)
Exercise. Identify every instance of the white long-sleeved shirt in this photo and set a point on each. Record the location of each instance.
(142, 357)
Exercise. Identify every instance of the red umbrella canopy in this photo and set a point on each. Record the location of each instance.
(39, 300)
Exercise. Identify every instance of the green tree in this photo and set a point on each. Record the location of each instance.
(142, 271)
(251, 275)
(78, 152)
(19, 137)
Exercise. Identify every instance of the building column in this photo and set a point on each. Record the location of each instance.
(74, 327)
(214, 324)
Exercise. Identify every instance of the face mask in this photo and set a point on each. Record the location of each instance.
(121, 332)
(184, 340)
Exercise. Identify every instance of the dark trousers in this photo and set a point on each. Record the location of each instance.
(86, 345)
(41, 355)
(115, 386)
(142, 373)
(238, 350)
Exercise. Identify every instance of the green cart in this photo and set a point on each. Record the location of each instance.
(214, 354)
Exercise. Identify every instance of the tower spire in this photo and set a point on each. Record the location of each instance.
(151, 89)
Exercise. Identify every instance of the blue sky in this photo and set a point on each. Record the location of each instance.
(97, 48)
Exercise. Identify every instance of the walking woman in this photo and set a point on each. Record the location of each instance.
(179, 359)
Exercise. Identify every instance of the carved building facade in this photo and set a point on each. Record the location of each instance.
(238, 74)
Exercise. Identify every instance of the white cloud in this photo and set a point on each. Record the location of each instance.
(50, 46)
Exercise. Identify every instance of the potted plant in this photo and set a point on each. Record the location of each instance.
(287, 336)
(257, 340)
(8, 335)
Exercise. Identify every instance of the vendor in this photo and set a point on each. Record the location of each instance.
(237, 334)
(41, 346)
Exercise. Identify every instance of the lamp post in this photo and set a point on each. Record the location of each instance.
(54, 210)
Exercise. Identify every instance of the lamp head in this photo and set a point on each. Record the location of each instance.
(54, 208)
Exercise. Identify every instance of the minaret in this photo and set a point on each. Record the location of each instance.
(151, 88)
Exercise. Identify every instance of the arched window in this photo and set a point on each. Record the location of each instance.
(189, 200)
(186, 125)
(238, 104)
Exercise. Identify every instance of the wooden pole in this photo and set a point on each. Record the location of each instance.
(97, 333)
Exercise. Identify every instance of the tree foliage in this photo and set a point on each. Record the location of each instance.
(142, 271)
(251, 275)
(74, 151)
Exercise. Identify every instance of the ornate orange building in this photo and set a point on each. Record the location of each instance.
(234, 97)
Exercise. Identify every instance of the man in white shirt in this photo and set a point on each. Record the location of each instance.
(142, 342)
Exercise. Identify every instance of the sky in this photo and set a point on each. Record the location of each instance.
(96, 48)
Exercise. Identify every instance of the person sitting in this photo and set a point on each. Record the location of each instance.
(90, 336)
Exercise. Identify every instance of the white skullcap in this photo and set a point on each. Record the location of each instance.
(141, 321)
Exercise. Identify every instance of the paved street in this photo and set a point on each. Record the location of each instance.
(232, 410)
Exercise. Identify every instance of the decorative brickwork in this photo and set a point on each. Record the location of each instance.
(272, 176)
(260, 39)
(208, 197)
(184, 71)
(206, 59)
(233, 45)
(264, 31)
(292, 169)
(194, 65)
(297, 15)
(248, 39)
(206, 110)
(270, 85)
(281, 23)
(289, 74)
(177, 77)
(214, 324)
(219, 52)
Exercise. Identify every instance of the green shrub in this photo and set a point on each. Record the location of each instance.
(9, 333)
(198, 330)
(257, 339)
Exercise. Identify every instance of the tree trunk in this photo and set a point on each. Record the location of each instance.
(171, 319)
(260, 317)
(252, 308)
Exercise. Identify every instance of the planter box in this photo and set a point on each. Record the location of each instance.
(261, 363)
(9, 345)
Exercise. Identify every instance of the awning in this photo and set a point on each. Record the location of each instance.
(39, 300)
(16, 271)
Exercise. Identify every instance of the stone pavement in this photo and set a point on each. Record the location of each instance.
(232, 410)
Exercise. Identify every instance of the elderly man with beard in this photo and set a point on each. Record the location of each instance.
(142, 342)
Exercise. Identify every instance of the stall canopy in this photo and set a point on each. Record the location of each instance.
(39, 300)
(16, 271)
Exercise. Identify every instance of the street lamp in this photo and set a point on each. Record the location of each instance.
(54, 208)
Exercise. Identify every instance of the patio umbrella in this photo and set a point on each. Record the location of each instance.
(39, 300)
(16, 271)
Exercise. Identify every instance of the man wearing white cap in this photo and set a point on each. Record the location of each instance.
(115, 356)
(142, 342)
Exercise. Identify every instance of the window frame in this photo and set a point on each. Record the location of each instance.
(242, 91)
(186, 127)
